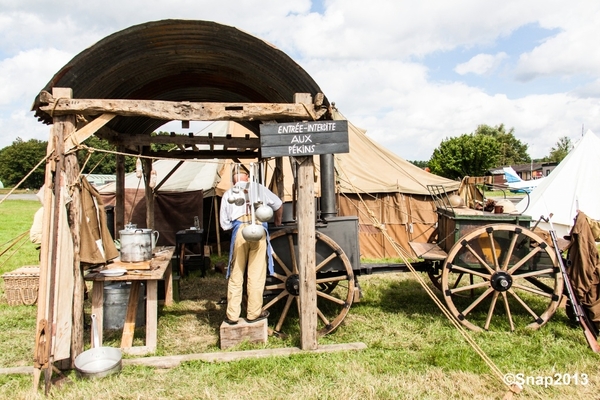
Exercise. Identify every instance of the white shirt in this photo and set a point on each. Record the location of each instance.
(255, 192)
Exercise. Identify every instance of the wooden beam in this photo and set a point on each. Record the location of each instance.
(88, 130)
(184, 111)
(227, 356)
(203, 155)
(185, 140)
(173, 361)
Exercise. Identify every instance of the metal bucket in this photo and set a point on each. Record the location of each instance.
(116, 297)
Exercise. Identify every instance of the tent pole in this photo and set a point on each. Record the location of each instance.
(120, 191)
(217, 225)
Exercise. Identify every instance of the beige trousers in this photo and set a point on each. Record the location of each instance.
(253, 257)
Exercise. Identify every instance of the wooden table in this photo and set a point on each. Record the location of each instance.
(160, 269)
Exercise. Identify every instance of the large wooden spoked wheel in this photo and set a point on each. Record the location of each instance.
(505, 264)
(334, 281)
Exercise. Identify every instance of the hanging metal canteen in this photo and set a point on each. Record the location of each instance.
(263, 213)
(253, 232)
(234, 192)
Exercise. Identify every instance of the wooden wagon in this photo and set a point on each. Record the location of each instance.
(493, 270)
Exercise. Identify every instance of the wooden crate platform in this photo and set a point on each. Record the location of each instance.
(231, 335)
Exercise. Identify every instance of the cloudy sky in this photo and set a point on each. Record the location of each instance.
(410, 73)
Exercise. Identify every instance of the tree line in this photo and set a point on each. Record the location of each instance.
(18, 159)
(471, 154)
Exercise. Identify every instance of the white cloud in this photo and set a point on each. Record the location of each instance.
(572, 51)
(23, 75)
(365, 56)
(481, 64)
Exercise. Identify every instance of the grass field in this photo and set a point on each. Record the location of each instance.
(413, 351)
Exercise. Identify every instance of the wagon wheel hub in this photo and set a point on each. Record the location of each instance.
(501, 281)
(292, 284)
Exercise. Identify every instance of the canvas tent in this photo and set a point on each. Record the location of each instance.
(179, 192)
(382, 189)
(571, 186)
(371, 182)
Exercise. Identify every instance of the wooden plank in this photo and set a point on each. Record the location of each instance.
(141, 265)
(61, 127)
(176, 360)
(185, 140)
(185, 110)
(151, 313)
(88, 130)
(428, 251)
(306, 253)
(169, 285)
(129, 326)
(205, 154)
(72, 171)
(158, 267)
(42, 335)
(138, 350)
(98, 307)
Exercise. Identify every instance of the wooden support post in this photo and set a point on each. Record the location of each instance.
(72, 172)
(151, 314)
(120, 192)
(279, 184)
(147, 163)
(306, 253)
(43, 334)
(217, 227)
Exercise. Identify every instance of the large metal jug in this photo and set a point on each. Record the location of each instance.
(137, 244)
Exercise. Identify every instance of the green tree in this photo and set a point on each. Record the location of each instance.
(99, 162)
(512, 150)
(420, 164)
(560, 149)
(466, 155)
(18, 159)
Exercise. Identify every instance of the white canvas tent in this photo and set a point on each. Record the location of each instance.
(370, 181)
(571, 186)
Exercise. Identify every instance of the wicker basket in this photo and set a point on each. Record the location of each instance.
(21, 285)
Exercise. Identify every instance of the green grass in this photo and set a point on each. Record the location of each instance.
(16, 217)
(413, 351)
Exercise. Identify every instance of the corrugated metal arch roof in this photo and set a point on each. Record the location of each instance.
(180, 60)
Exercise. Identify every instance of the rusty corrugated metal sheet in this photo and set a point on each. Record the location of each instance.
(180, 60)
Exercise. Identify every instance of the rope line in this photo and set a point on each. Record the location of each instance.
(23, 180)
(20, 239)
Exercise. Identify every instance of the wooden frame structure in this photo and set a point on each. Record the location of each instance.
(64, 138)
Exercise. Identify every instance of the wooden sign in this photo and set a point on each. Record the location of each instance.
(297, 139)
